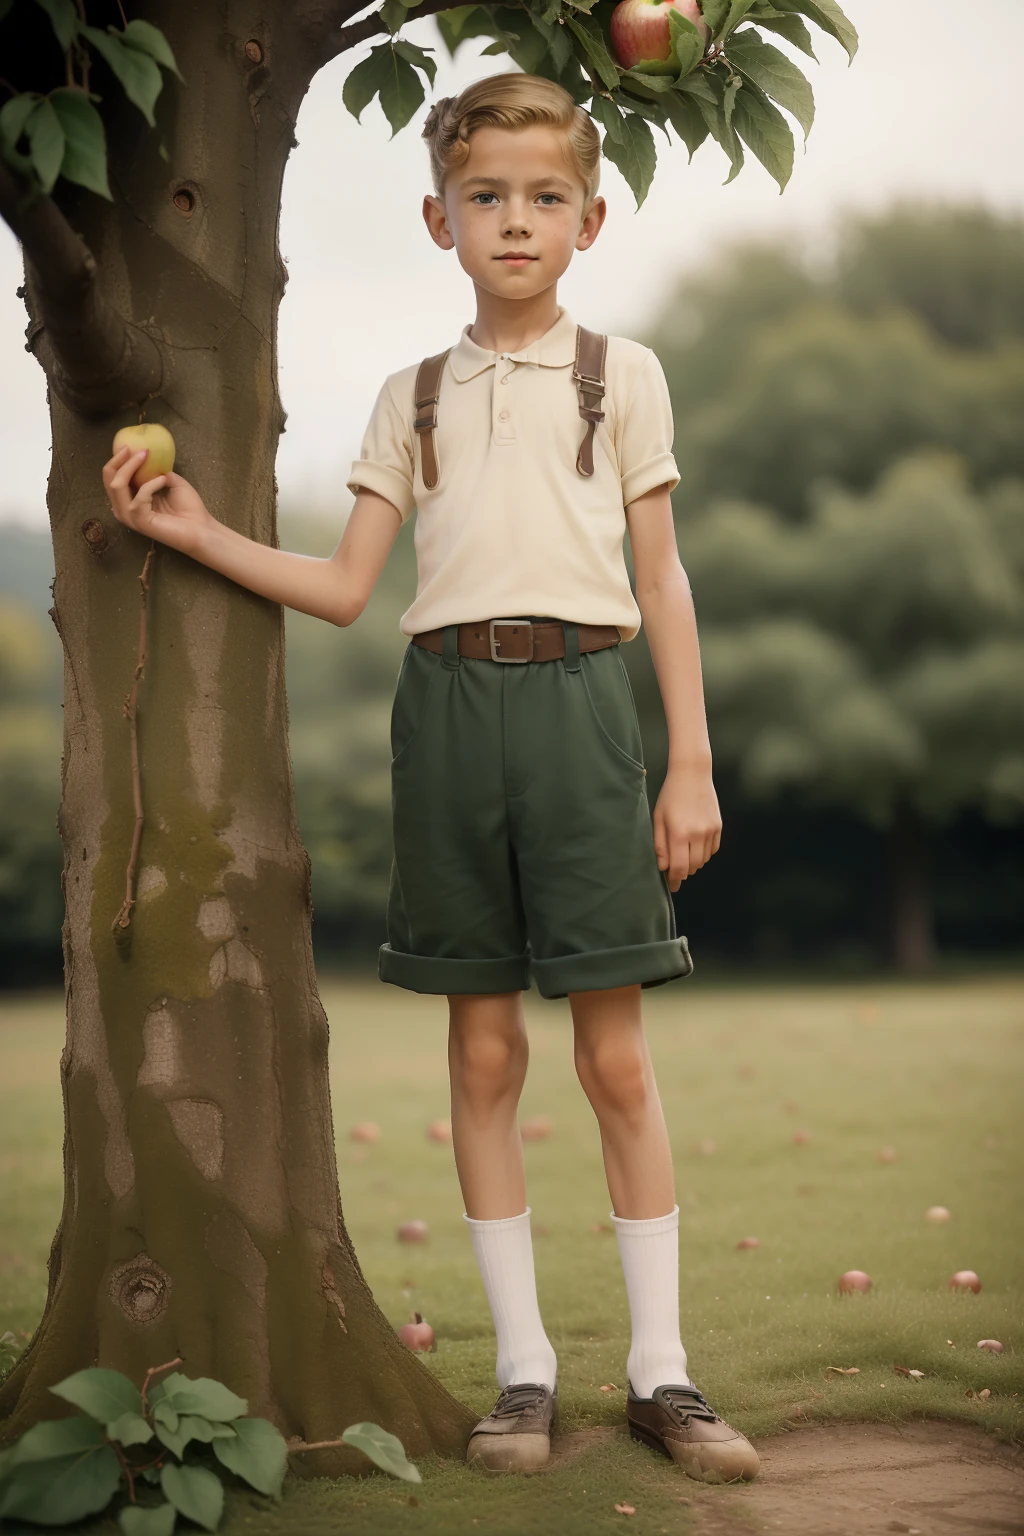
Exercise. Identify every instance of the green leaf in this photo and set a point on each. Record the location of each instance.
(362, 83)
(139, 75)
(157, 1521)
(5, 6)
(13, 116)
(687, 43)
(166, 1414)
(643, 82)
(696, 84)
(85, 144)
(58, 1437)
(775, 73)
(60, 1491)
(130, 1429)
(764, 129)
(104, 1394)
(827, 15)
(791, 28)
(722, 15)
(451, 23)
(195, 1492)
(557, 40)
(173, 1440)
(46, 140)
(420, 57)
(402, 92)
(635, 158)
(63, 19)
(717, 117)
(210, 1398)
(589, 35)
(384, 1450)
(651, 111)
(687, 120)
(258, 1454)
(610, 118)
(149, 39)
(393, 14)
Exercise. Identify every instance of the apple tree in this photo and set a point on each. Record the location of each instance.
(143, 150)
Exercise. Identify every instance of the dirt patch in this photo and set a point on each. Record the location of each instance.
(863, 1479)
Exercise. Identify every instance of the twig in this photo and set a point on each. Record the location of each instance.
(155, 1370)
(315, 1445)
(125, 1468)
(130, 710)
(124, 21)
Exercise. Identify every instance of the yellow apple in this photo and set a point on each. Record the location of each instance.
(159, 442)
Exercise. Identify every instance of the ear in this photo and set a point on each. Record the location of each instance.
(436, 220)
(591, 225)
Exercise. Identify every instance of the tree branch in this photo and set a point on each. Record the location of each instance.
(95, 360)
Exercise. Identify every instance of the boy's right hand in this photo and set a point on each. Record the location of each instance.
(166, 508)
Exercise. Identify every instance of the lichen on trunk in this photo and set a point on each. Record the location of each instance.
(201, 1213)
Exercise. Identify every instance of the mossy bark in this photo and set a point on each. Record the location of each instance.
(201, 1213)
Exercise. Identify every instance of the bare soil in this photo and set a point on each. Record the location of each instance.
(924, 1479)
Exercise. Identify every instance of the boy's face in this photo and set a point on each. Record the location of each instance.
(513, 211)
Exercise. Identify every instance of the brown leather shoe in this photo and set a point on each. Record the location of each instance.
(678, 1422)
(516, 1434)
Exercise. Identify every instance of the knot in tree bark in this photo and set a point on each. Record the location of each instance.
(141, 1289)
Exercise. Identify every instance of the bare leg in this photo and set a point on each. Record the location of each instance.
(614, 1066)
(487, 1059)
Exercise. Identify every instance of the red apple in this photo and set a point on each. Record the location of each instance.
(749, 1242)
(801, 1138)
(965, 1280)
(641, 37)
(854, 1280)
(439, 1130)
(417, 1335)
(365, 1130)
(887, 1155)
(537, 1129)
(993, 1346)
(936, 1213)
(413, 1232)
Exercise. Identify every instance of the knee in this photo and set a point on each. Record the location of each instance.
(615, 1078)
(487, 1065)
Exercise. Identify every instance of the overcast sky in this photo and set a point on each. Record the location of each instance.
(930, 108)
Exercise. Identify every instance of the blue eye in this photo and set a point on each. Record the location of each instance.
(552, 197)
(478, 195)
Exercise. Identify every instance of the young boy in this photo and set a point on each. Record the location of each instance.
(524, 843)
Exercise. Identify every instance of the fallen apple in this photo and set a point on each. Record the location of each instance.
(749, 1242)
(887, 1155)
(439, 1130)
(418, 1335)
(965, 1280)
(854, 1280)
(156, 440)
(985, 1393)
(413, 1232)
(536, 1129)
(641, 37)
(365, 1130)
(936, 1213)
(801, 1138)
(993, 1346)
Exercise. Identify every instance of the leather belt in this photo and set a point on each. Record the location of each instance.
(519, 640)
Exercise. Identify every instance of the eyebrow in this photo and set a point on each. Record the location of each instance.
(496, 182)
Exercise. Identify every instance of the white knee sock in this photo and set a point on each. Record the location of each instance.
(504, 1252)
(650, 1262)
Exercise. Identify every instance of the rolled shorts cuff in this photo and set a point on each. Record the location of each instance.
(645, 964)
(428, 973)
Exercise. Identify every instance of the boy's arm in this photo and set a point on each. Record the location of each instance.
(687, 821)
(169, 509)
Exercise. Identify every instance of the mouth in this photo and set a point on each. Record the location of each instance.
(516, 259)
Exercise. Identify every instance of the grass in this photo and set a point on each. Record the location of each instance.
(932, 1071)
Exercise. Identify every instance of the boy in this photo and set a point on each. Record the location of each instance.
(524, 842)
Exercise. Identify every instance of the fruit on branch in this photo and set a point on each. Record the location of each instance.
(417, 1335)
(854, 1280)
(641, 37)
(156, 440)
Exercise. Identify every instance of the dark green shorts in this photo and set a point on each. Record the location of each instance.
(523, 837)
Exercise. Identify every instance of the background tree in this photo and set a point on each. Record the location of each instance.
(201, 1214)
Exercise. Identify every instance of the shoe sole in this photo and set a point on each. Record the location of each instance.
(509, 1453)
(691, 1466)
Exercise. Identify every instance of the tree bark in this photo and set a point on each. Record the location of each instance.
(913, 920)
(201, 1212)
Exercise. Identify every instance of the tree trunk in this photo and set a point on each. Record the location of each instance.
(201, 1212)
(912, 916)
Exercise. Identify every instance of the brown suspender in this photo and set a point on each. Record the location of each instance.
(588, 376)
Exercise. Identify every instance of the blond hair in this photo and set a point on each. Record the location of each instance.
(511, 101)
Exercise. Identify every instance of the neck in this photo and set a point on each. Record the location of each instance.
(509, 325)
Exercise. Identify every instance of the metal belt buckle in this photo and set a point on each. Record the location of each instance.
(496, 643)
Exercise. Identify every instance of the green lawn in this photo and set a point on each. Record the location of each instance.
(933, 1071)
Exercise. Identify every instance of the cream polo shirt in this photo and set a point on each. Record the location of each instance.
(512, 528)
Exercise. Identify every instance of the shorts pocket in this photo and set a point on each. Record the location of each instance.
(412, 696)
(611, 705)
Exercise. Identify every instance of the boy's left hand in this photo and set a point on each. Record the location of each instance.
(687, 823)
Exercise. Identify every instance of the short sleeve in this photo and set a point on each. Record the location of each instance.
(645, 434)
(385, 462)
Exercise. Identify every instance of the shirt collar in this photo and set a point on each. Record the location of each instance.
(555, 349)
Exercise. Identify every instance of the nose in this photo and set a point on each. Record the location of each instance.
(517, 219)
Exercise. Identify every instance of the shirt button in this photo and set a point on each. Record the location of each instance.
(503, 415)
(505, 379)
